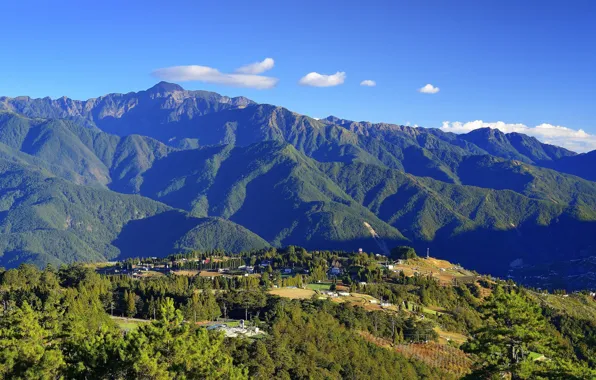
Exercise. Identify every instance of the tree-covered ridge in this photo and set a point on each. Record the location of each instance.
(302, 204)
(514, 146)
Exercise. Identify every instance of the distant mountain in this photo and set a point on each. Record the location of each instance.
(144, 112)
(581, 165)
(189, 119)
(515, 146)
(238, 175)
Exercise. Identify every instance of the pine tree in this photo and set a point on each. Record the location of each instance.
(515, 329)
(131, 305)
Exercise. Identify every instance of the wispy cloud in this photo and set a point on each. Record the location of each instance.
(321, 80)
(572, 139)
(368, 83)
(429, 89)
(257, 67)
(245, 76)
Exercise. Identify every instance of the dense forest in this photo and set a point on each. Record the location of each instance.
(67, 322)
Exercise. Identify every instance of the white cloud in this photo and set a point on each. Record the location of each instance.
(429, 89)
(321, 80)
(368, 83)
(575, 140)
(245, 76)
(257, 67)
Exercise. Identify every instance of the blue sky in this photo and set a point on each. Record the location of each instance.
(524, 63)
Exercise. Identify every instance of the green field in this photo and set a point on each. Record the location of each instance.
(410, 307)
(320, 286)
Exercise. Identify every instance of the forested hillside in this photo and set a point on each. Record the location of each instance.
(44, 219)
(290, 314)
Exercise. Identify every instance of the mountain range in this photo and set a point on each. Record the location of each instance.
(168, 169)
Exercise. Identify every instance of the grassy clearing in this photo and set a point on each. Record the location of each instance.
(100, 264)
(363, 300)
(186, 272)
(442, 270)
(293, 293)
(428, 310)
(448, 336)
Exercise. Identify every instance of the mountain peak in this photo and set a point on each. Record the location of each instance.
(164, 87)
(337, 120)
(485, 131)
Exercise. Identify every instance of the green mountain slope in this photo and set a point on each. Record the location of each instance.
(269, 188)
(535, 182)
(83, 155)
(484, 228)
(46, 219)
(54, 143)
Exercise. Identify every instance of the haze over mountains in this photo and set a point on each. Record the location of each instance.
(168, 169)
